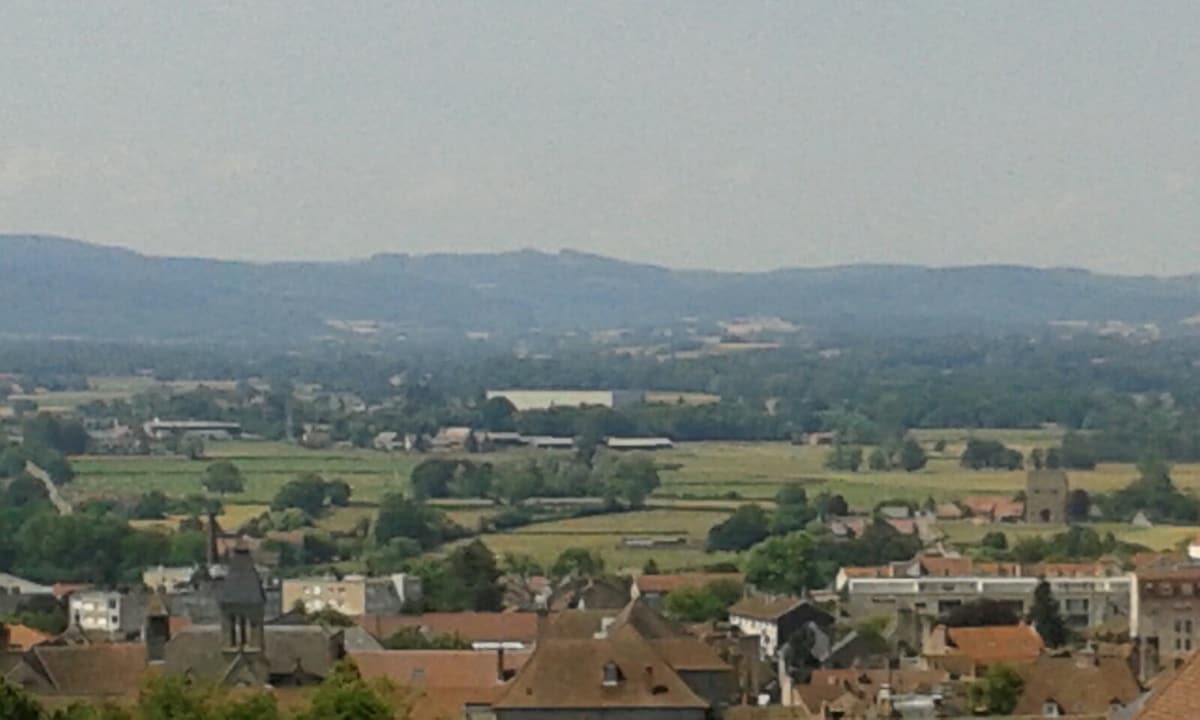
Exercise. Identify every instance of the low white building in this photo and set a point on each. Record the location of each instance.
(13, 585)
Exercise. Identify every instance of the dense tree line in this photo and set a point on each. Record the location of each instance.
(1123, 397)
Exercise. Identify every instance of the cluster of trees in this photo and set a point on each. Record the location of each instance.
(802, 561)
(1076, 543)
(991, 455)
(1075, 453)
(46, 441)
(92, 545)
(616, 477)
(751, 524)
(1154, 493)
(696, 605)
(1141, 396)
(311, 494)
(412, 638)
(343, 695)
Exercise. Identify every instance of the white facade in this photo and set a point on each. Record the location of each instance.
(96, 610)
(767, 632)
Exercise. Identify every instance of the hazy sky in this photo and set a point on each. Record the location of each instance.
(732, 134)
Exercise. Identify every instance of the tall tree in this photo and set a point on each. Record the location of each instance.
(223, 478)
(1045, 616)
(784, 564)
(997, 692)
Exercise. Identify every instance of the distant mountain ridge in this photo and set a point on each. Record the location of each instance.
(58, 287)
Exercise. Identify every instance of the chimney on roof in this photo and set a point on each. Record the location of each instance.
(500, 663)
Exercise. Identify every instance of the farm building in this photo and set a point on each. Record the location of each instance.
(639, 443)
(162, 429)
(524, 400)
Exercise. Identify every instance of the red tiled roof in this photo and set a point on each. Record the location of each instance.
(670, 583)
(997, 643)
(23, 638)
(1178, 697)
(426, 669)
(62, 590)
(877, 571)
(945, 566)
(473, 627)
(997, 506)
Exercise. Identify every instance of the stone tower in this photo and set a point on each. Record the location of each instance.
(1046, 496)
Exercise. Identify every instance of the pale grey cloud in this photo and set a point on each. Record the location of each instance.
(737, 135)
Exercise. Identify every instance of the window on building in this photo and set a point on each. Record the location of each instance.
(114, 620)
(612, 675)
(1187, 626)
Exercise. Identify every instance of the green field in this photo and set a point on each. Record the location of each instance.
(696, 475)
(603, 534)
(701, 483)
(265, 466)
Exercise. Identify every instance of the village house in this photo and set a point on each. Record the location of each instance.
(1165, 617)
(867, 692)
(107, 613)
(969, 651)
(352, 595)
(774, 619)
(993, 508)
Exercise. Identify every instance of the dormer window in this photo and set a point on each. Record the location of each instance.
(612, 675)
(1050, 709)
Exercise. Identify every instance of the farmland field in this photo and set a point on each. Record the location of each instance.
(695, 475)
(701, 483)
(603, 533)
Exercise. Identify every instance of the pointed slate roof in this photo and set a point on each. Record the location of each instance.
(241, 586)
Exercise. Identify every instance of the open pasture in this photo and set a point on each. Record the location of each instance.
(265, 466)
